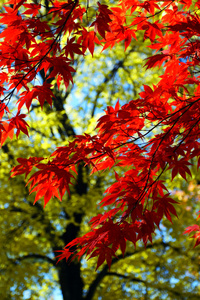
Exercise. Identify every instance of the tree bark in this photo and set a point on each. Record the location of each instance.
(70, 273)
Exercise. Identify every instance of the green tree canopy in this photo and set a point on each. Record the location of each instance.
(30, 235)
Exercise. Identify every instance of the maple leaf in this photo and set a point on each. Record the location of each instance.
(151, 30)
(47, 191)
(192, 228)
(72, 48)
(19, 123)
(164, 207)
(126, 135)
(87, 39)
(41, 93)
(156, 60)
(196, 236)
(180, 167)
(101, 24)
(25, 165)
(103, 253)
(33, 9)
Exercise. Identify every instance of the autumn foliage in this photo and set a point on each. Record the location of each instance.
(157, 132)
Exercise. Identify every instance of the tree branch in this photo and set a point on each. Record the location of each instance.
(104, 272)
(38, 257)
(152, 285)
(109, 76)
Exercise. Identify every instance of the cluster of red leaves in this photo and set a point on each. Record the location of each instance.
(139, 198)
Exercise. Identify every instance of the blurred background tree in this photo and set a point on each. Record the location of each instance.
(30, 235)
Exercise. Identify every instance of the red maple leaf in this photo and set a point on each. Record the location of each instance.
(157, 131)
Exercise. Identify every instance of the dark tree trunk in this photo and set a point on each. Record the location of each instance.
(70, 273)
(70, 281)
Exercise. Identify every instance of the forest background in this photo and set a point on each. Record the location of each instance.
(167, 269)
